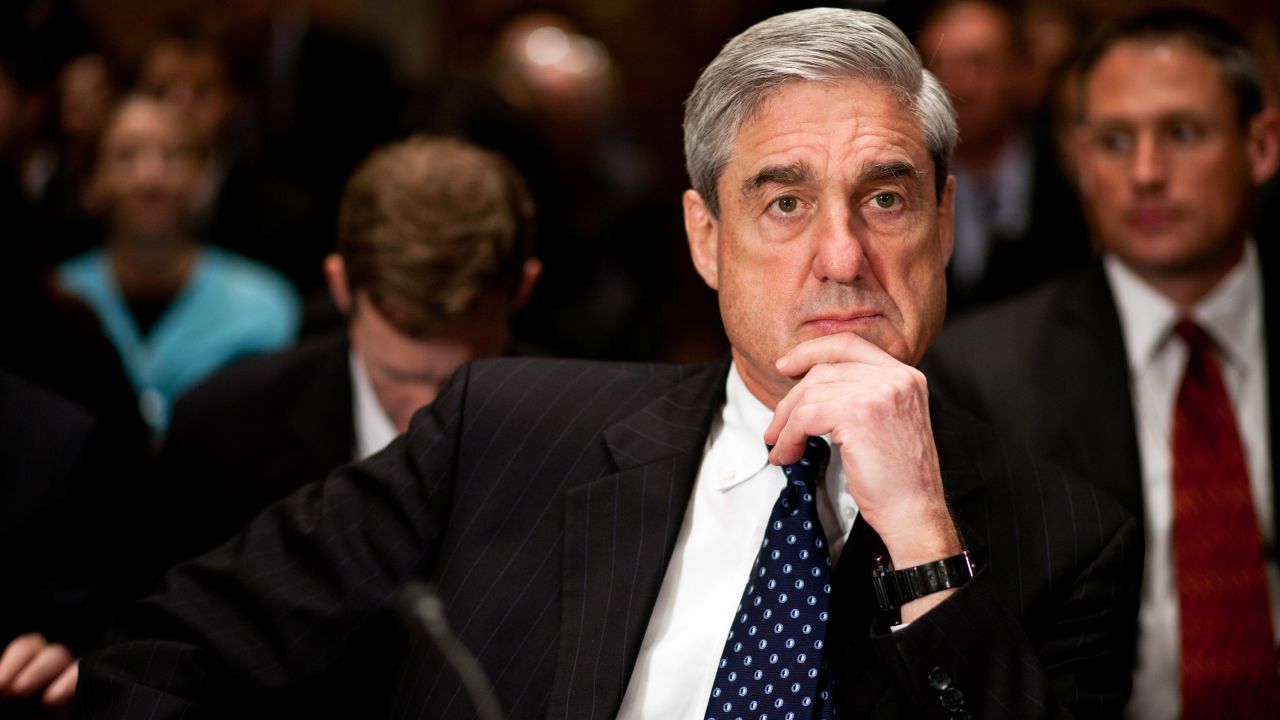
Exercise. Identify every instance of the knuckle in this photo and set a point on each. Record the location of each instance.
(59, 652)
(805, 414)
(917, 378)
(890, 391)
(27, 644)
(907, 382)
(820, 373)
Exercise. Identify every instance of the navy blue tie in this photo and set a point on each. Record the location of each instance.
(772, 665)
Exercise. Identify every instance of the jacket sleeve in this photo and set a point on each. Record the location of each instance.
(281, 604)
(971, 656)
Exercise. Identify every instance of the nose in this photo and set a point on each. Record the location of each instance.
(839, 255)
(1149, 163)
(148, 165)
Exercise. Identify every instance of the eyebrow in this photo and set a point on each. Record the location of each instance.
(799, 173)
(1169, 116)
(794, 174)
(878, 171)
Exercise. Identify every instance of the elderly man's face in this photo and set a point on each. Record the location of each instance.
(1166, 169)
(829, 223)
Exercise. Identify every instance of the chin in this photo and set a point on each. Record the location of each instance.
(1165, 256)
(892, 342)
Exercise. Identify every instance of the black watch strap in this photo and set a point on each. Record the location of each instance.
(895, 588)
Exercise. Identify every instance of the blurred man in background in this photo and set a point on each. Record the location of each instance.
(435, 256)
(1151, 372)
(1016, 219)
(238, 203)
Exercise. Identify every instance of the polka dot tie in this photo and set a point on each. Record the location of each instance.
(772, 666)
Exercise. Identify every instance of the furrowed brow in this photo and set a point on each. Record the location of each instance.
(793, 174)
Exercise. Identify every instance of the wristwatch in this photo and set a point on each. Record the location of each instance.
(895, 588)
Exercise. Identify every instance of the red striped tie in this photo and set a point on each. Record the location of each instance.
(1228, 652)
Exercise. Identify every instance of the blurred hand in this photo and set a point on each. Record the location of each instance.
(32, 666)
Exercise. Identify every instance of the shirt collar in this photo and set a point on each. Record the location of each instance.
(1231, 313)
(1227, 313)
(740, 445)
(374, 430)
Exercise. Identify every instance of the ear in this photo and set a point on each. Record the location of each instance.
(335, 275)
(946, 219)
(529, 277)
(1264, 145)
(703, 231)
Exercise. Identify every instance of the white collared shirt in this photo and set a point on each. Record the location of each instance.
(374, 429)
(724, 523)
(1232, 315)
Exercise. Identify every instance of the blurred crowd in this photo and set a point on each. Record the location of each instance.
(169, 213)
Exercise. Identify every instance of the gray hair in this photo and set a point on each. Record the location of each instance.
(817, 45)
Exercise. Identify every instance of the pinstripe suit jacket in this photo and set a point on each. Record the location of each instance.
(543, 498)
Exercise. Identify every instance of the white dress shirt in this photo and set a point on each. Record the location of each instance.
(724, 523)
(1232, 315)
(374, 429)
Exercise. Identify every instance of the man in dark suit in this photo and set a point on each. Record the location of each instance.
(1101, 371)
(435, 255)
(595, 530)
(1017, 218)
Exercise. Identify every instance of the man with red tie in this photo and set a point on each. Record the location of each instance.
(1148, 373)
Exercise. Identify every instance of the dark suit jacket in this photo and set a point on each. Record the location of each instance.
(1050, 370)
(1054, 241)
(63, 573)
(265, 217)
(543, 498)
(253, 433)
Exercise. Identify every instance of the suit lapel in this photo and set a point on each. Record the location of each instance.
(861, 679)
(620, 532)
(1089, 407)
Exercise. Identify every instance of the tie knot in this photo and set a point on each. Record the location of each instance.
(814, 463)
(1197, 340)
